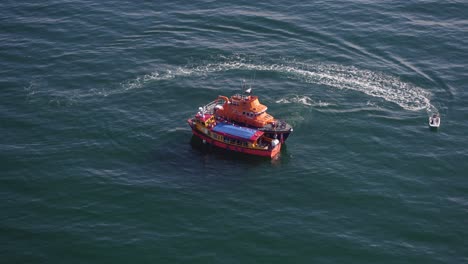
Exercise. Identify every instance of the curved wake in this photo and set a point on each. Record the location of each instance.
(389, 88)
(374, 84)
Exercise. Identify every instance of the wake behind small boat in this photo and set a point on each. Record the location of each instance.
(434, 121)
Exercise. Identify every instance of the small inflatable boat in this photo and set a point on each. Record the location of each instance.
(434, 121)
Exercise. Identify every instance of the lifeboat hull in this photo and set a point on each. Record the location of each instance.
(270, 152)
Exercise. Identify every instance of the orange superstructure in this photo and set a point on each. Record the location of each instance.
(245, 109)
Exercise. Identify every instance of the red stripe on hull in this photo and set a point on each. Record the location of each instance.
(257, 152)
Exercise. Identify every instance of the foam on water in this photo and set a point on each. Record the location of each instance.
(374, 84)
(305, 100)
(392, 89)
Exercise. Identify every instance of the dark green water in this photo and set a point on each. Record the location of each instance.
(98, 164)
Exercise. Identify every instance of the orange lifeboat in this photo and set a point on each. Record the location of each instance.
(244, 109)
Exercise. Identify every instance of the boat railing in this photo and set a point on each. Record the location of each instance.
(241, 97)
(209, 108)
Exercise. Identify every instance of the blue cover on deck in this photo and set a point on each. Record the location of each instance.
(240, 132)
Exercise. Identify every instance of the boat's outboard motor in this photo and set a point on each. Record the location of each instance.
(274, 142)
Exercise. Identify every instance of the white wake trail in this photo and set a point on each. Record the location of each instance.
(374, 84)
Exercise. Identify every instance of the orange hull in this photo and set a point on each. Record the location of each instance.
(234, 138)
(263, 153)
